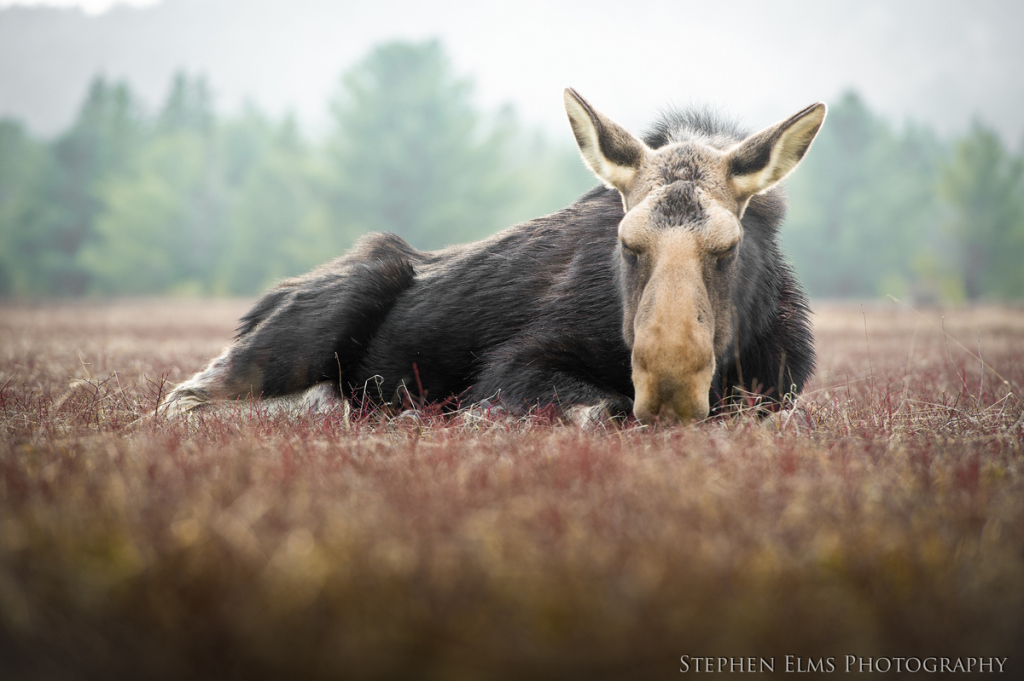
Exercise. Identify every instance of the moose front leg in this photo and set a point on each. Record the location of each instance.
(560, 369)
(581, 400)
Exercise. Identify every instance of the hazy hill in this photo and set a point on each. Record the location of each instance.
(938, 62)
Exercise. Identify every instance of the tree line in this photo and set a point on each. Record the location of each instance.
(184, 201)
(877, 211)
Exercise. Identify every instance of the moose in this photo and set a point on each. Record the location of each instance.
(661, 293)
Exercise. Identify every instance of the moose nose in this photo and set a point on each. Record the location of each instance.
(672, 392)
(682, 406)
(673, 355)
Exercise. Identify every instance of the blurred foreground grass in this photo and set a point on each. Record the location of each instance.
(883, 517)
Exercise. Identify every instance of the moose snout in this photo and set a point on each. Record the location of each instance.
(673, 331)
(669, 401)
(672, 387)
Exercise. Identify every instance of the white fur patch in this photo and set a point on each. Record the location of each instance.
(198, 390)
(207, 387)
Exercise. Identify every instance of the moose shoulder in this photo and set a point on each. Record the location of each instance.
(659, 293)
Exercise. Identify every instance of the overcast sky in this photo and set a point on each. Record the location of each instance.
(87, 6)
(940, 62)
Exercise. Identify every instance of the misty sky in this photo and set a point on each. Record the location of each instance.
(87, 6)
(937, 62)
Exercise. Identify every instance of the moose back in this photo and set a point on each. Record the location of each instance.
(659, 294)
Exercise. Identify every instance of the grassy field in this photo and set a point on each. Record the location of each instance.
(883, 517)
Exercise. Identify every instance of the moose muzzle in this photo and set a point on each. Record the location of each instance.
(673, 348)
(668, 395)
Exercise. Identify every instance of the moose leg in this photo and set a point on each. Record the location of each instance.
(582, 401)
(597, 406)
(532, 372)
(307, 332)
(778, 361)
(206, 386)
(271, 360)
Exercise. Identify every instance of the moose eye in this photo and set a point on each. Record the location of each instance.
(726, 258)
(628, 253)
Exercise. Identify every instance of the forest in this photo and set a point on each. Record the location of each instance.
(186, 201)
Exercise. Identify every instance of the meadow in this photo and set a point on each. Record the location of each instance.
(882, 517)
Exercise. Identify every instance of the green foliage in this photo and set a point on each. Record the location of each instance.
(549, 175)
(57, 205)
(189, 202)
(864, 206)
(984, 186)
(22, 161)
(159, 230)
(161, 227)
(279, 224)
(411, 154)
(189, 106)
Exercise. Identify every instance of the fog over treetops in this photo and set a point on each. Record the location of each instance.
(939, 63)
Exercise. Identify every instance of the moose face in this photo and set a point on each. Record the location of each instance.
(679, 245)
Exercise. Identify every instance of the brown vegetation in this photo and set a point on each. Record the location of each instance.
(882, 517)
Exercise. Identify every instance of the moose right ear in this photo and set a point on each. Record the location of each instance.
(609, 150)
(762, 160)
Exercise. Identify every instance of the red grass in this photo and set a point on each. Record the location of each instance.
(882, 517)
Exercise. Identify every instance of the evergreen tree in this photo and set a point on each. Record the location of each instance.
(50, 233)
(187, 201)
(22, 162)
(983, 185)
(162, 224)
(279, 222)
(864, 212)
(410, 153)
(189, 106)
(547, 174)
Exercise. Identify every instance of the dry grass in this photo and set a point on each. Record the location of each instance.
(883, 517)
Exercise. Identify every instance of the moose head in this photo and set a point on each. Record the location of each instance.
(679, 245)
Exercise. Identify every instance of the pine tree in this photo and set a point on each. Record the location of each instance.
(410, 153)
(983, 185)
(52, 230)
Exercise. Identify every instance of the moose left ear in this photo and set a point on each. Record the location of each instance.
(609, 150)
(762, 160)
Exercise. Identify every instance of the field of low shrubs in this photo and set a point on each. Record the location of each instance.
(883, 517)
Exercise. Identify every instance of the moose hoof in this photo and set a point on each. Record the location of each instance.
(321, 399)
(409, 416)
(181, 401)
(482, 413)
(600, 415)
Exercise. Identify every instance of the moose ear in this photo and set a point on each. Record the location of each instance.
(609, 150)
(762, 160)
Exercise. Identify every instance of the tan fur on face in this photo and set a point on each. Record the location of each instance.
(683, 316)
(674, 333)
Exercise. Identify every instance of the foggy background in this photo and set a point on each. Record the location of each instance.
(211, 159)
(937, 62)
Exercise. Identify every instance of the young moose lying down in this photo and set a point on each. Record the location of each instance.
(658, 294)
